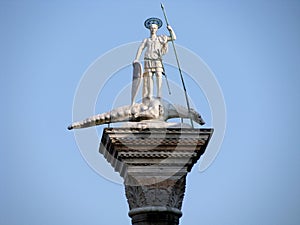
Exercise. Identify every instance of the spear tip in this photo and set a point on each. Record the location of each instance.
(161, 5)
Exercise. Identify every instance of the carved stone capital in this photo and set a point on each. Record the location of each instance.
(169, 193)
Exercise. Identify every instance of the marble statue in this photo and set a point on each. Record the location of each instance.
(155, 109)
(155, 47)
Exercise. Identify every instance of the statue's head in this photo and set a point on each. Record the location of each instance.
(153, 28)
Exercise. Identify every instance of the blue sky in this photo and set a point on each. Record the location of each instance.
(253, 49)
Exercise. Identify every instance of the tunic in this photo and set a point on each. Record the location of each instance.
(155, 49)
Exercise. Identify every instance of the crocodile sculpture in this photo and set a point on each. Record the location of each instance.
(154, 109)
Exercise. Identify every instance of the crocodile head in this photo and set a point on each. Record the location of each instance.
(196, 117)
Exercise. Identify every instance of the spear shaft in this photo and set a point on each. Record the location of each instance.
(178, 65)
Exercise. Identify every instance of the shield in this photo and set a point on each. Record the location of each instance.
(136, 80)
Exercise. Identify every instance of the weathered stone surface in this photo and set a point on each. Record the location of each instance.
(154, 164)
(169, 192)
(152, 110)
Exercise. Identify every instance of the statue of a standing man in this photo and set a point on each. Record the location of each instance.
(156, 47)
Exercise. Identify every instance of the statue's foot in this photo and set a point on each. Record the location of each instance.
(146, 100)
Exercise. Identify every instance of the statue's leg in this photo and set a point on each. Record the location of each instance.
(150, 85)
(145, 89)
(159, 83)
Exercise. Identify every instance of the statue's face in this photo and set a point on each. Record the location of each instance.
(153, 28)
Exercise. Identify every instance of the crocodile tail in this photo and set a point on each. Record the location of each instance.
(91, 121)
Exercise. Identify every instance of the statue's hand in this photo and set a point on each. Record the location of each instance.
(169, 28)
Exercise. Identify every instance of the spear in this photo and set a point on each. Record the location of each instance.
(178, 65)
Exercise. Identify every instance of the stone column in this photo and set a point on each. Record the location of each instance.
(154, 163)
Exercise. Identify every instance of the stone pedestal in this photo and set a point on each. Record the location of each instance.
(154, 163)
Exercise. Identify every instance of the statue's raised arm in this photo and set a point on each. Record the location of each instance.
(172, 36)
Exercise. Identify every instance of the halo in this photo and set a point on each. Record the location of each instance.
(153, 20)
